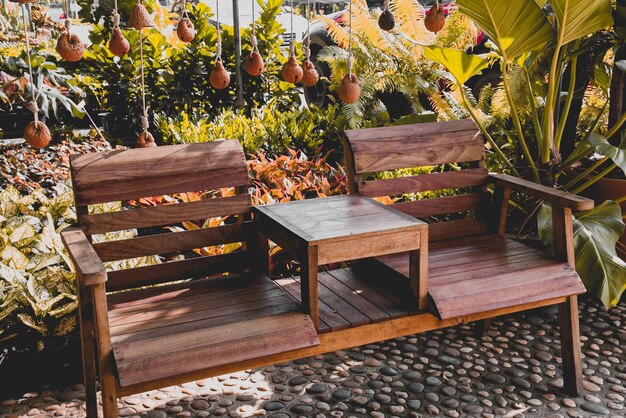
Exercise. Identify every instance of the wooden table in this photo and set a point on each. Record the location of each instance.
(342, 228)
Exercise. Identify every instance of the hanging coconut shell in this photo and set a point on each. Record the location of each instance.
(185, 30)
(118, 45)
(254, 64)
(219, 77)
(140, 18)
(436, 18)
(349, 90)
(292, 72)
(70, 47)
(37, 134)
(145, 140)
(310, 76)
(386, 21)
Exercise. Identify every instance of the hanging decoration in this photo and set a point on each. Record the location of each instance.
(36, 133)
(292, 72)
(69, 45)
(254, 64)
(349, 89)
(436, 18)
(140, 19)
(219, 77)
(118, 44)
(185, 29)
(310, 76)
(386, 21)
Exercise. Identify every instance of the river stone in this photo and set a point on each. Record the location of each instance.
(433, 381)
(297, 381)
(495, 378)
(415, 387)
(414, 404)
(595, 409)
(341, 394)
(301, 409)
(388, 371)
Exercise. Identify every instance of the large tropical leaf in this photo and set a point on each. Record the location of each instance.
(579, 18)
(595, 234)
(603, 147)
(460, 64)
(516, 27)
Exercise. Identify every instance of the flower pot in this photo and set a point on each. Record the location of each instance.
(611, 189)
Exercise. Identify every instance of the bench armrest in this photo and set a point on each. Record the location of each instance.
(86, 261)
(554, 196)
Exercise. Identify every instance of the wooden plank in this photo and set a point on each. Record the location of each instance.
(502, 290)
(404, 132)
(172, 242)
(211, 347)
(570, 347)
(339, 340)
(392, 307)
(424, 182)
(342, 306)
(380, 244)
(164, 214)
(328, 316)
(308, 284)
(441, 205)
(414, 154)
(353, 297)
(456, 229)
(540, 191)
(177, 270)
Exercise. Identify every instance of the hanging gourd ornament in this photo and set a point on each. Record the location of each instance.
(145, 140)
(185, 30)
(118, 45)
(37, 134)
(310, 76)
(69, 45)
(386, 21)
(292, 72)
(140, 18)
(254, 64)
(436, 18)
(220, 76)
(349, 89)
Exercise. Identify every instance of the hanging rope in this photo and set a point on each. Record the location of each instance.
(144, 118)
(116, 16)
(35, 108)
(307, 46)
(253, 40)
(292, 35)
(218, 48)
(349, 40)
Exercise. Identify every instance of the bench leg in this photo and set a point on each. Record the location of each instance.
(418, 272)
(570, 347)
(308, 284)
(482, 326)
(87, 344)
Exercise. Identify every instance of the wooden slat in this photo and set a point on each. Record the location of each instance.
(392, 157)
(89, 266)
(164, 214)
(173, 241)
(407, 132)
(503, 290)
(424, 182)
(184, 352)
(177, 270)
(455, 229)
(135, 173)
(441, 205)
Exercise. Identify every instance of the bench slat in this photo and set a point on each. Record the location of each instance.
(164, 214)
(441, 205)
(172, 242)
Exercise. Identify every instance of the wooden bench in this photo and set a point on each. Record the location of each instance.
(473, 267)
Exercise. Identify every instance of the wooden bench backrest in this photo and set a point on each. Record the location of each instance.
(375, 150)
(132, 174)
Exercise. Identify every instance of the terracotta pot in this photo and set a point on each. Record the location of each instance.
(254, 64)
(611, 189)
(145, 140)
(436, 18)
(310, 76)
(349, 89)
(140, 18)
(185, 30)
(219, 77)
(37, 134)
(292, 72)
(118, 45)
(70, 47)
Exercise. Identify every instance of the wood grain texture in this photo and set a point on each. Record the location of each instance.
(173, 241)
(177, 270)
(134, 173)
(164, 214)
(424, 182)
(441, 205)
(456, 229)
(540, 191)
(83, 256)
(570, 347)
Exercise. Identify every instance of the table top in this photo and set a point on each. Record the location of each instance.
(338, 218)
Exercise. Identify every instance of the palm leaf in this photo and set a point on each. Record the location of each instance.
(579, 18)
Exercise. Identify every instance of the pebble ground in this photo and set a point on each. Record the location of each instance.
(513, 371)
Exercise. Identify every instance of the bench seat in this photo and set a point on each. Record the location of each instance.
(482, 273)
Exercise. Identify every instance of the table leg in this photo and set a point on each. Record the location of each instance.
(418, 272)
(261, 253)
(308, 283)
